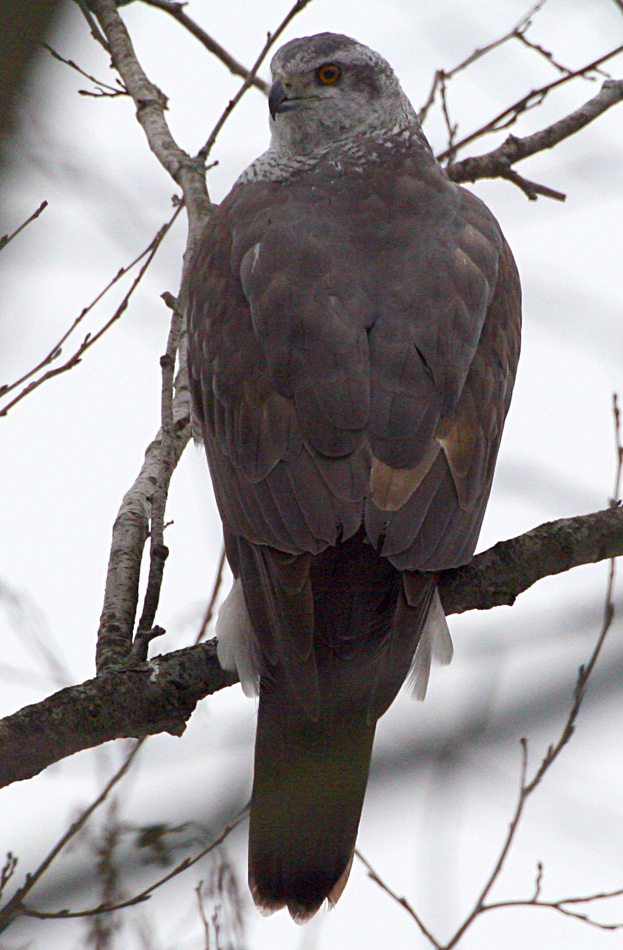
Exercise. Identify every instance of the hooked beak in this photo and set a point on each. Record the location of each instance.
(278, 100)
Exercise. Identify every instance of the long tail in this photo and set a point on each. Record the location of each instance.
(308, 791)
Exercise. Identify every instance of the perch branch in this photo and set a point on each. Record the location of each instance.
(159, 696)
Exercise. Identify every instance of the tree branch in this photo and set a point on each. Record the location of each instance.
(145, 699)
(499, 575)
(151, 104)
(130, 531)
(498, 163)
(160, 695)
(176, 10)
(137, 510)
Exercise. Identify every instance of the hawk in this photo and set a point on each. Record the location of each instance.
(353, 327)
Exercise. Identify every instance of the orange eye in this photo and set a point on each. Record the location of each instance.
(328, 74)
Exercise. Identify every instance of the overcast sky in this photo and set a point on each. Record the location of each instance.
(71, 450)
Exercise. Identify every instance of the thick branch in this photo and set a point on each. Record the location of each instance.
(496, 164)
(130, 531)
(499, 575)
(142, 700)
(159, 696)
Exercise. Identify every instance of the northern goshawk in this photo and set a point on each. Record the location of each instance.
(354, 324)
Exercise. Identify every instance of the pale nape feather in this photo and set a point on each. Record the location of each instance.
(235, 650)
(434, 646)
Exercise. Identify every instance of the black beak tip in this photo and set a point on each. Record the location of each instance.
(276, 97)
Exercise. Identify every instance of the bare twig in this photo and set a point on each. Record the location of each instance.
(102, 88)
(270, 41)
(451, 127)
(562, 908)
(534, 98)
(443, 75)
(176, 10)
(147, 892)
(374, 876)
(479, 906)
(585, 671)
(149, 253)
(531, 189)
(8, 871)
(93, 27)
(14, 907)
(498, 162)
(546, 54)
(5, 238)
(151, 104)
(207, 617)
(519, 27)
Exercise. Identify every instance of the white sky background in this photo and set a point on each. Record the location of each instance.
(71, 450)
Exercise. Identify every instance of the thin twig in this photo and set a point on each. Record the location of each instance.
(207, 617)
(90, 339)
(5, 238)
(442, 75)
(103, 89)
(559, 906)
(14, 908)
(147, 892)
(451, 127)
(585, 670)
(8, 871)
(480, 906)
(399, 900)
(520, 26)
(546, 54)
(270, 41)
(531, 189)
(176, 10)
(534, 98)
(151, 105)
(93, 27)
(528, 787)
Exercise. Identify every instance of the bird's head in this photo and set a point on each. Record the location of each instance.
(328, 87)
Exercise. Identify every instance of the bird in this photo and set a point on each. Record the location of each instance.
(353, 337)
